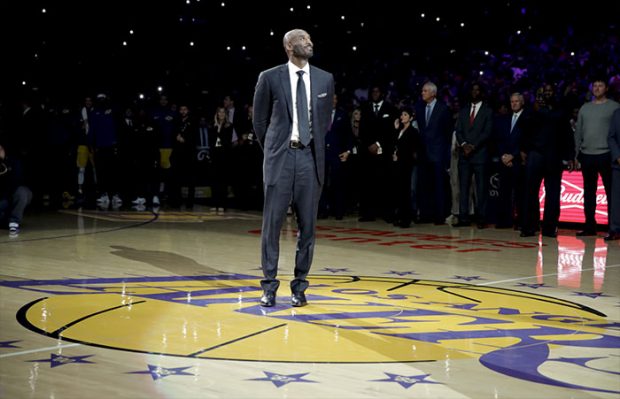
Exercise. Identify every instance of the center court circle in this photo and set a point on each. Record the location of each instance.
(349, 319)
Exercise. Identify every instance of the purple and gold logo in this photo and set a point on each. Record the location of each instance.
(348, 320)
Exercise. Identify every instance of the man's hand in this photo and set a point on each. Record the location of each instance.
(373, 149)
(507, 160)
(468, 149)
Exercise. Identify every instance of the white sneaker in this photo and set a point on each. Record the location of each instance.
(13, 228)
(156, 200)
(139, 207)
(452, 219)
(103, 200)
(116, 200)
(139, 201)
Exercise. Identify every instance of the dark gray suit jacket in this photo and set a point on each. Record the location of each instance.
(613, 138)
(477, 134)
(273, 117)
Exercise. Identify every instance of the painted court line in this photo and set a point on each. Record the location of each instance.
(538, 276)
(49, 348)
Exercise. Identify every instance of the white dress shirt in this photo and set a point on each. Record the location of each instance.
(293, 77)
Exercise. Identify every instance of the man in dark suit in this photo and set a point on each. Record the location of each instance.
(435, 126)
(376, 128)
(508, 130)
(338, 143)
(292, 113)
(613, 203)
(546, 146)
(473, 131)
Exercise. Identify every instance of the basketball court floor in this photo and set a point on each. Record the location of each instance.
(125, 304)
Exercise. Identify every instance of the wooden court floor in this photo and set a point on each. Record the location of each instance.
(126, 304)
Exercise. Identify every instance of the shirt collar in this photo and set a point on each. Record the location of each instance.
(294, 68)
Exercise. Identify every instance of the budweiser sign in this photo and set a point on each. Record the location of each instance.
(571, 199)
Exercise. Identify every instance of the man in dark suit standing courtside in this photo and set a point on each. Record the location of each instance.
(473, 131)
(436, 126)
(292, 113)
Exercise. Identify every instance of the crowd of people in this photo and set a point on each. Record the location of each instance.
(403, 162)
(403, 151)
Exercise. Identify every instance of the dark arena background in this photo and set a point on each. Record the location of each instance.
(134, 274)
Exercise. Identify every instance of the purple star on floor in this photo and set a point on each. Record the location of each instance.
(467, 278)
(60, 360)
(400, 273)
(158, 372)
(334, 270)
(9, 344)
(407, 381)
(592, 295)
(534, 286)
(282, 379)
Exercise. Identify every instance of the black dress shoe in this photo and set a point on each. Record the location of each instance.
(298, 299)
(366, 219)
(268, 299)
(550, 233)
(586, 232)
(527, 233)
(612, 236)
(462, 224)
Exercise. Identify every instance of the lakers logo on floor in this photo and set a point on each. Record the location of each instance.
(348, 320)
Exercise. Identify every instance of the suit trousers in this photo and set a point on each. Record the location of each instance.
(298, 185)
(591, 167)
(541, 167)
(467, 170)
(613, 203)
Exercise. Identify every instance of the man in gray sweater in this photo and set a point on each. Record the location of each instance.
(592, 150)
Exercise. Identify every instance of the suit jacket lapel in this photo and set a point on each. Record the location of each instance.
(482, 108)
(313, 87)
(285, 81)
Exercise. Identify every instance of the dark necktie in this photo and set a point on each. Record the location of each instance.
(472, 116)
(204, 137)
(428, 113)
(376, 109)
(302, 111)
